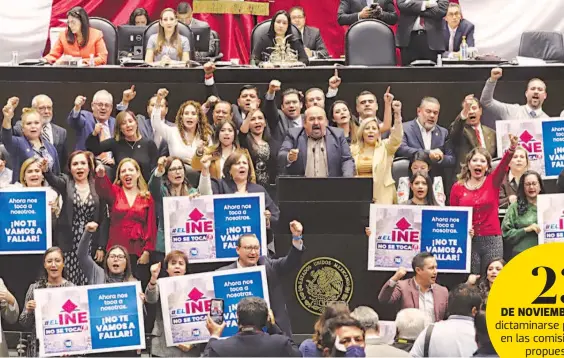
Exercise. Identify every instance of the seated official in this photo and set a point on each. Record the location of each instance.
(184, 14)
(316, 150)
(79, 40)
(167, 45)
(248, 250)
(252, 316)
(422, 284)
(311, 37)
(351, 11)
(280, 31)
(139, 17)
(454, 28)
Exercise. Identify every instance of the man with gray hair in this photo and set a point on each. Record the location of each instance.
(50, 132)
(83, 122)
(410, 322)
(376, 345)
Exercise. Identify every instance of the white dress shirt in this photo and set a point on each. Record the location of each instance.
(427, 135)
(451, 38)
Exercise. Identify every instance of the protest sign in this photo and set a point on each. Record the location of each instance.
(185, 301)
(89, 319)
(543, 140)
(550, 216)
(207, 228)
(399, 232)
(25, 227)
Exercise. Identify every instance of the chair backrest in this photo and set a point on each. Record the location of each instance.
(184, 30)
(546, 45)
(110, 37)
(261, 29)
(215, 37)
(370, 43)
(400, 168)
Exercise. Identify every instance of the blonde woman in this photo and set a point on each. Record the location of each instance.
(374, 157)
(168, 45)
(31, 176)
(192, 130)
(133, 223)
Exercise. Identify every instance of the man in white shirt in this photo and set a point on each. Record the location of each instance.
(535, 94)
(248, 250)
(454, 337)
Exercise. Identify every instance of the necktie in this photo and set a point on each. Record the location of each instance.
(533, 114)
(104, 134)
(477, 131)
(45, 135)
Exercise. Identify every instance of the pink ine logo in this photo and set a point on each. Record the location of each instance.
(531, 145)
(69, 306)
(404, 232)
(70, 315)
(198, 224)
(197, 303)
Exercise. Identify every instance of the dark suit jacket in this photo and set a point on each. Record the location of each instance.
(465, 28)
(349, 9)
(412, 142)
(83, 124)
(463, 139)
(433, 18)
(260, 50)
(407, 295)
(237, 112)
(59, 140)
(65, 186)
(255, 344)
(312, 39)
(275, 269)
(339, 160)
(20, 149)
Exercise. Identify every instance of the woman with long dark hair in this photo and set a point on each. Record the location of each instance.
(341, 117)
(79, 40)
(311, 347)
(420, 161)
(176, 264)
(139, 17)
(421, 189)
(510, 186)
(520, 226)
(81, 204)
(478, 188)
(280, 30)
(170, 179)
(167, 45)
(488, 276)
(52, 277)
(254, 136)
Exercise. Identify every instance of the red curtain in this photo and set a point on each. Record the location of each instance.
(234, 30)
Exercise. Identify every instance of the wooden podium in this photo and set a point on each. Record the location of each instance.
(237, 7)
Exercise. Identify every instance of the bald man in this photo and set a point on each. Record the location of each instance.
(316, 150)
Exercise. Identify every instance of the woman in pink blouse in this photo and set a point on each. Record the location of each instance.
(478, 187)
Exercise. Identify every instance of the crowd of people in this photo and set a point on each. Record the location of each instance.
(106, 194)
(425, 29)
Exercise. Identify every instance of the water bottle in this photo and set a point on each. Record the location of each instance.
(439, 60)
(91, 62)
(15, 60)
(464, 49)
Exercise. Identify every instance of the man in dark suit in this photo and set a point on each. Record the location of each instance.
(248, 96)
(185, 14)
(311, 37)
(467, 132)
(420, 29)
(421, 291)
(51, 132)
(250, 341)
(423, 134)
(316, 150)
(454, 27)
(248, 249)
(351, 11)
(144, 123)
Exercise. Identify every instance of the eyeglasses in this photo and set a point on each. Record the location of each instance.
(45, 108)
(251, 248)
(103, 105)
(117, 257)
(175, 169)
